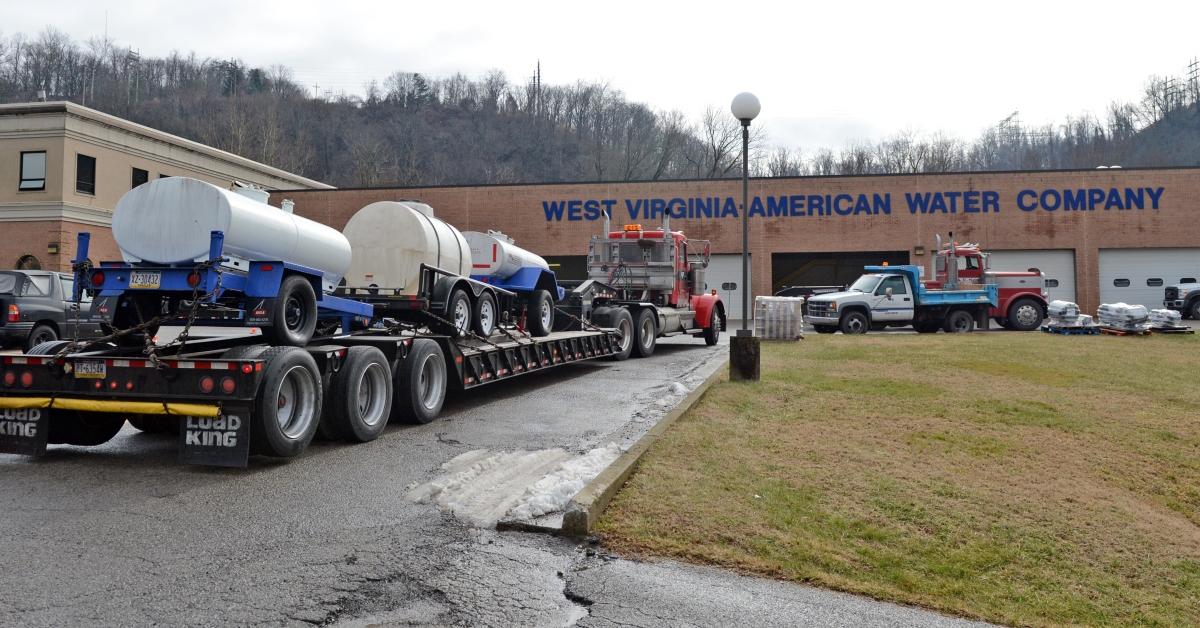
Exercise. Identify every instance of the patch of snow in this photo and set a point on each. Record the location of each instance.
(552, 492)
(677, 388)
(480, 486)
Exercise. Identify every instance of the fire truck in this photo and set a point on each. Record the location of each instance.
(1022, 300)
(646, 284)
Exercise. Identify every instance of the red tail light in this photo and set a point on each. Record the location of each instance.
(193, 279)
(113, 385)
(207, 384)
(26, 379)
(228, 385)
(14, 313)
(98, 385)
(129, 385)
(10, 378)
(247, 368)
(98, 279)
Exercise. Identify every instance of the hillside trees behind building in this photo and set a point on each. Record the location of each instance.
(412, 129)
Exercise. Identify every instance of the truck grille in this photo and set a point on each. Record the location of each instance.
(1171, 294)
(819, 309)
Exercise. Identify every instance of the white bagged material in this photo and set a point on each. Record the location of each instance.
(1165, 318)
(1062, 309)
(1083, 320)
(778, 318)
(1123, 316)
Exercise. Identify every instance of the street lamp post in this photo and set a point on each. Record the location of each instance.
(743, 348)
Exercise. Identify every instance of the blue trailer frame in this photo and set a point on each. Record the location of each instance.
(526, 280)
(261, 280)
(990, 293)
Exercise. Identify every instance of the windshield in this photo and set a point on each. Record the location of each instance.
(866, 283)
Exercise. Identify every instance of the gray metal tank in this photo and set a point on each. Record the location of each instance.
(168, 221)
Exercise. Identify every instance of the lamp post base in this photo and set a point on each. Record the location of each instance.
(744, 357)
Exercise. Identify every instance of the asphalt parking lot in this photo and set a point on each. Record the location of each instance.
(123, 535)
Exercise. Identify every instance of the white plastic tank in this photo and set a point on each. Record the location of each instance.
(391, 239)
(495, 254)
(168, 221)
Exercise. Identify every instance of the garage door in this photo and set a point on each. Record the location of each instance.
(725, 276)
(1137, 276)
(1057, 264)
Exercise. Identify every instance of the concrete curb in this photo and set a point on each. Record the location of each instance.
(583, 511)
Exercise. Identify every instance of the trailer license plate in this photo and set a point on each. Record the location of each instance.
(145, 280)
(90, 369)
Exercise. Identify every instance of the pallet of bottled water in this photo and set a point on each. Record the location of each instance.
(778, 318)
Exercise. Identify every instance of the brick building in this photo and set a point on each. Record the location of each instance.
(1100, 235)
(63, 167)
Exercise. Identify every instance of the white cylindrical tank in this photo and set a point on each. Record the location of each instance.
(168, 221)
(390, 241)
(495, 254)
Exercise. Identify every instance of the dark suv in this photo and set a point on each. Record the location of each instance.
(35, 306)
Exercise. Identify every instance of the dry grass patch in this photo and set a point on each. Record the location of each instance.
(1020, 478)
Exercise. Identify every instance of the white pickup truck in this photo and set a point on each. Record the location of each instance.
(888, 296)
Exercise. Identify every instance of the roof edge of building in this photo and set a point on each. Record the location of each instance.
(63, 106)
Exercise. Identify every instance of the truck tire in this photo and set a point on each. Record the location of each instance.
(1025, 314)
(420, 388)
(288, 407)
(1194, 309)
(854, 322)
(712, 333)
(958, 322)
(40, 334)
(294, 318)
(458, 311)
(825, 329)
(360, 396)
(539, 316)
(84, 429)
(483, 314)
(620, 319)
(645, 334)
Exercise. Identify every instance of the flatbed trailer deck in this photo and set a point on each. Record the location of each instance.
(231, 397)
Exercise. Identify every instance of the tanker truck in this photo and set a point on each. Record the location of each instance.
(498, 261)
(396, 355)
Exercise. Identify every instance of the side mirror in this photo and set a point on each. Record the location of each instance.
(888, 292)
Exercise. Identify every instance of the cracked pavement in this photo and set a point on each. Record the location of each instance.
(123, 535)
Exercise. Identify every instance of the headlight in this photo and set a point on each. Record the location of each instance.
(833, 306)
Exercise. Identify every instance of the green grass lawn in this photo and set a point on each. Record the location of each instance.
(1019, 478)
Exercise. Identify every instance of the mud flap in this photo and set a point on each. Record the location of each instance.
(222, 441)
(24, 431)
(259, 314)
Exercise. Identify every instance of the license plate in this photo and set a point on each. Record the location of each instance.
(145, 280)
(90, 369)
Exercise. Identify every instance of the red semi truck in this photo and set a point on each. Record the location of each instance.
(1022, 305)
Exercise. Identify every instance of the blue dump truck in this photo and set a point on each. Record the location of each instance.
(331, 359)
(894, 296)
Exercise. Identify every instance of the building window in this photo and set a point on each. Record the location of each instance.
(1051, 283)
(1154, 282)
(85, 174)
(1121, 283)
(33, 170)
(28, 262)
(139, 177)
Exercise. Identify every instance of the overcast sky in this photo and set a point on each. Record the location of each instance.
(826, 74)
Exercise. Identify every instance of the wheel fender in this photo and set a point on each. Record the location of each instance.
(703, 305)
(855, 308)
(446, 285)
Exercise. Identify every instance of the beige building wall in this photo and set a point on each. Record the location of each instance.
(45, 223)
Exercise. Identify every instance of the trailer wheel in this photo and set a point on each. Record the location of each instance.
(288, 407)
(620, 319)
(713, 332)
(420, 388)
(854, 322)
(84, 429)
(483, 314)
(360, 397)
(295, 313)
(958, 322)
(1025, 315)
(458, 311)
(540, 313)
(645, 332)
